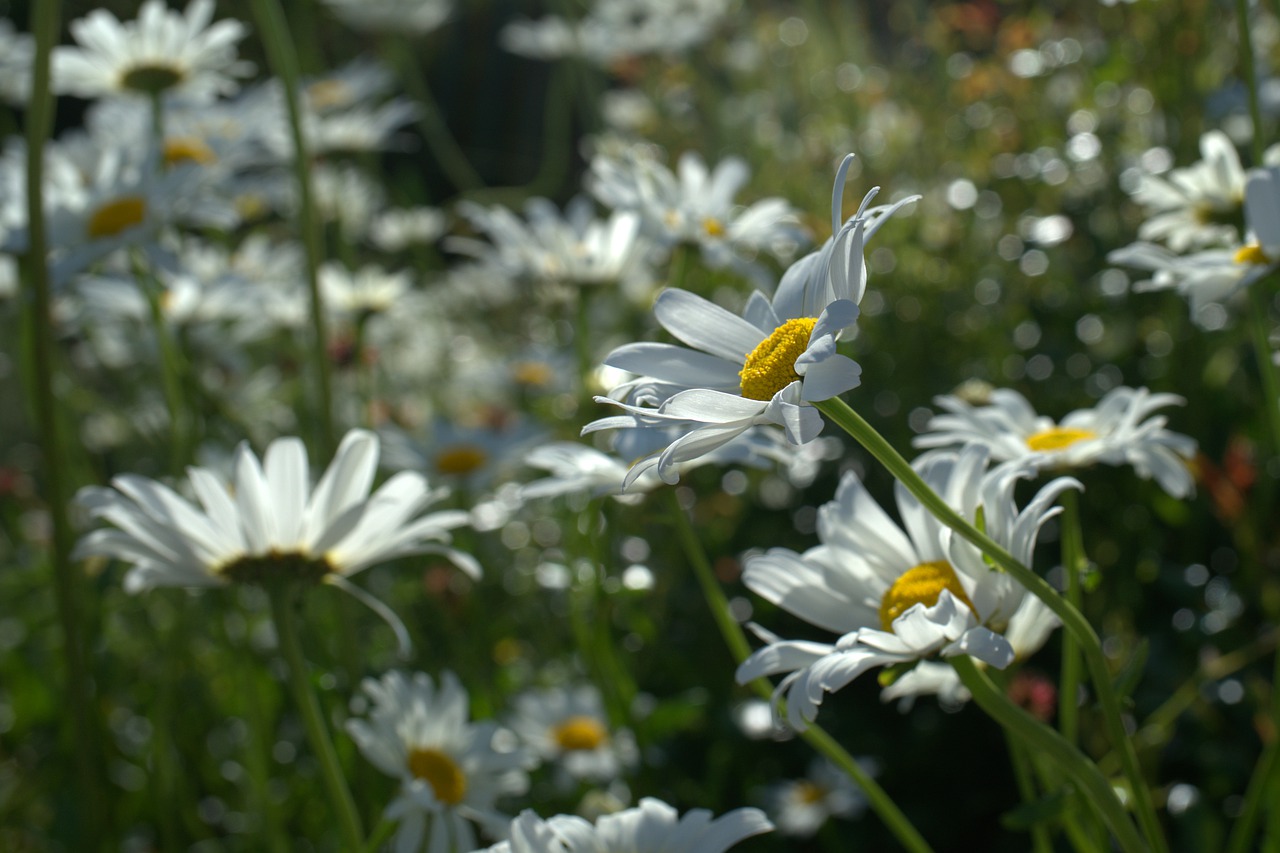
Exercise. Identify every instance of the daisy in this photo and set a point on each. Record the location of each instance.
(897, 595)
(473, 453)
(1197, 206)
(17, 52)
(767, 366)
(651, 827)
(799, 807)
(570, 726)
(416, 17)
(269, 524)
(367, 291)
(397, 229)
(695, 205)
(449, 769)
(160, 51)
(1120, 430)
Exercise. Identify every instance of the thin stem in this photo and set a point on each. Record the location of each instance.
(884, 807)
(309, 707)
(1249, 72)
(284, 61)
(1045, 741)
(1259, 314)
(57, 475)
(1023, 778)
(1074, 563)
(1072, 621)
(1266, 777)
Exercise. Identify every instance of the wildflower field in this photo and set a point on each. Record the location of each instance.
(639, 426)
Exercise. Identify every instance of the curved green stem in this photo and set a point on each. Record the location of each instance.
(309, 707)
(1072, 620)
(1045, 741)
(1022, 777)
(884, 807)
(1073, 565)
(284, 61)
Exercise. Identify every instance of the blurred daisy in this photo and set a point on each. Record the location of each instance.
(472, 453)
(397, 229)
(767, 366)
(450, 772)
(799, 807)
(695, 205)
(1199, 205)
(17, 52)
(652, 827)
(361, 80)
(416, 17)
(898, 595)
(569, 726)
(364, 292)
(161, 51)
(1120, 430)
(269, 524)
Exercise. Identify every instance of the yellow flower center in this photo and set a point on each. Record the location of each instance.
(250, 206)
(920, 585)
(326, 94)
(714, 227)
(1251, 253)
(532, 373)
(1058, 438)
(809, 793)
(461, 459)
(117, 215)
(579, 733)
(441, 772)
(771, 366)
(151, 79)
(188, 149)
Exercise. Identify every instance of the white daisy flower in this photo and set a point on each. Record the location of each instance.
(17, 52)
(651, 827)
(161, 51)
(800, 807)
(767, 366)
(1197, 206)
(569, 726)
(366, 291)
(397, 229)
(475, 452)
(417, 17)
(269, 524)
(898, 595)
(451, 774)
(359, 81)
(1120, 430)
(696, 206)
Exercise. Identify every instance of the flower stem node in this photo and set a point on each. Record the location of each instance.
(771, 366)
(151, 79)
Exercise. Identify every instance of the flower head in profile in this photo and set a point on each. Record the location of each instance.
(270, 525)
(570, 726)
(451, 774)
(800, 807)
(1199, 205)
(1121, 430)
(766, 366)
(161, 51)
(651, 827)
(898, 595)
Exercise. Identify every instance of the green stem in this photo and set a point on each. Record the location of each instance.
(884, 807)
(1247, 70)
(93, 834)
(1072, 621)
(284, 61)
(1266, 777)
(1074, 563)
(1023, 778)
(1045, 741)
(1259, 314)
(309, 707)
(381, 833)
(170, 365)
(449, 155)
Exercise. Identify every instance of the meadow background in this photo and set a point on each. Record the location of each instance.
(1022, 125)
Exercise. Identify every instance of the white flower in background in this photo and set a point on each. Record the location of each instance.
(800, 807)
(368, 290)
(575, 247)
(450, 772)
(270, 524)
(359, 81)
(475, 452)
(767, 366)
(652, 827)
(1119, 430)
(416, 17)
(397, 229)
(161, 51)
(694, 205)
(569, 726)
(17, 52)
(898, 595)
(345, 196)
(1199, 205)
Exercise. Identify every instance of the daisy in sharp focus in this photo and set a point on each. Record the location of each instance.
(161, 51)
(898, 595)
(270, 524)
(569, 726)
(651, 827)
(767, 366)
(1120, 430)
(450, 771)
